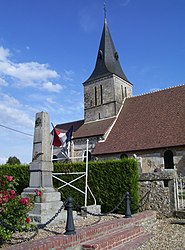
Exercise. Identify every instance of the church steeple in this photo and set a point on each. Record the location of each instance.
(107, 87)
(107, 59)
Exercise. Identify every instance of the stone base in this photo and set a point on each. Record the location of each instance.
(48, 206)
(94, 209)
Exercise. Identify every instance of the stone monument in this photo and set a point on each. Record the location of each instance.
(41, 169)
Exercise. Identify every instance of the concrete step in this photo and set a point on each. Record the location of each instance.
(114, 239)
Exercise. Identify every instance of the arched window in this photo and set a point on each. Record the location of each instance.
(89, 156)
(168, 159)
(122, 156)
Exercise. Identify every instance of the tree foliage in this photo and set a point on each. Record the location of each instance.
(12, 160)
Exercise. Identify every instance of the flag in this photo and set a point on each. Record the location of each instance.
(56, 139)
(62, 139)
(69, 134)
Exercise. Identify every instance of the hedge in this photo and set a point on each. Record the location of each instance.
(108, 180)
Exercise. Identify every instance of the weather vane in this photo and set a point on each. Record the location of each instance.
(105, 10)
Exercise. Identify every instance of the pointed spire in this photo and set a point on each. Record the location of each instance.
(107, 59)
(105, 10)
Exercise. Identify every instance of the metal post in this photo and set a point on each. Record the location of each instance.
(127, 206)
(70, 228)
(86, 177)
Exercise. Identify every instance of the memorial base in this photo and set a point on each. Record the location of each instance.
(47, 207)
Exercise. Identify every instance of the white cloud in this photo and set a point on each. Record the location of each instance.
(68, 75)
(51, 87)
(15, 113)
(3, 82)
(27, 74)
(50, 100)
(4, 54)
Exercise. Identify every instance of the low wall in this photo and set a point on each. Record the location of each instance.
(160, 188)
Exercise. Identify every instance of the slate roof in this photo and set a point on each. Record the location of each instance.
(150, 121)
(107, 59)
(89, 129)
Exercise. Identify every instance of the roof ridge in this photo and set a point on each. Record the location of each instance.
(156, 91)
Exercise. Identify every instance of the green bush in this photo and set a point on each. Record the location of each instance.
(108, 180)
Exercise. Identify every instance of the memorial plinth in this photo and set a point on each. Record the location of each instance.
(41, 169)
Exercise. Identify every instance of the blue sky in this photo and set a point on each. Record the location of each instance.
(48, 49)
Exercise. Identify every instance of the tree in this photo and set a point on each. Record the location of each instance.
(13, 160)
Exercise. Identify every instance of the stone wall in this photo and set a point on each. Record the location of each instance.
(152, 160)
(160, 189)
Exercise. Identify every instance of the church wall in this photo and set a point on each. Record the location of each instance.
(150, 160)
(103, 97)
(100, 104)
(122, 89)
(79, 146)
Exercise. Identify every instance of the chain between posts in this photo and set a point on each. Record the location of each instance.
(42, 226)
(140, 206)
(104, 214)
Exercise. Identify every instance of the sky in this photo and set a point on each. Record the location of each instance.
(48, 48)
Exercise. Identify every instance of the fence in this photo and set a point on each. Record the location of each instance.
(179, 193)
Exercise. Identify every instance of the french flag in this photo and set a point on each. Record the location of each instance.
(61, 139)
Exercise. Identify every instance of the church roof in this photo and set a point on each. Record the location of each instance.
(107, 59)
(149, 121)
(89, 129)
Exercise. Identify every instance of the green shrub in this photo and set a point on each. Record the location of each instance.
(108, 180)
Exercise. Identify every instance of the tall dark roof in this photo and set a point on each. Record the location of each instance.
(107, 59)
(159, 125)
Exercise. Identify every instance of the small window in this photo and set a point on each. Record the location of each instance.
(95, 96)
(123, 156)
(125, 92)
(168, 159)
(101, 94)
(89, 156)
(165, 183)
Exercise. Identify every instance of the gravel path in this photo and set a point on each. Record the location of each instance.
(165, 234)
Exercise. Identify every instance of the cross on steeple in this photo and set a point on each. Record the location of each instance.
(105, 10)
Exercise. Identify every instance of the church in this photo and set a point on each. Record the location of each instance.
(149, 127)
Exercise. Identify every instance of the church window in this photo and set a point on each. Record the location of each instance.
(116, 55)
(99, 116)
(95, 96)
(89, 156)
(101, 94)
(123, 156)
(168, 159)
(122, 94)
(125, 92)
